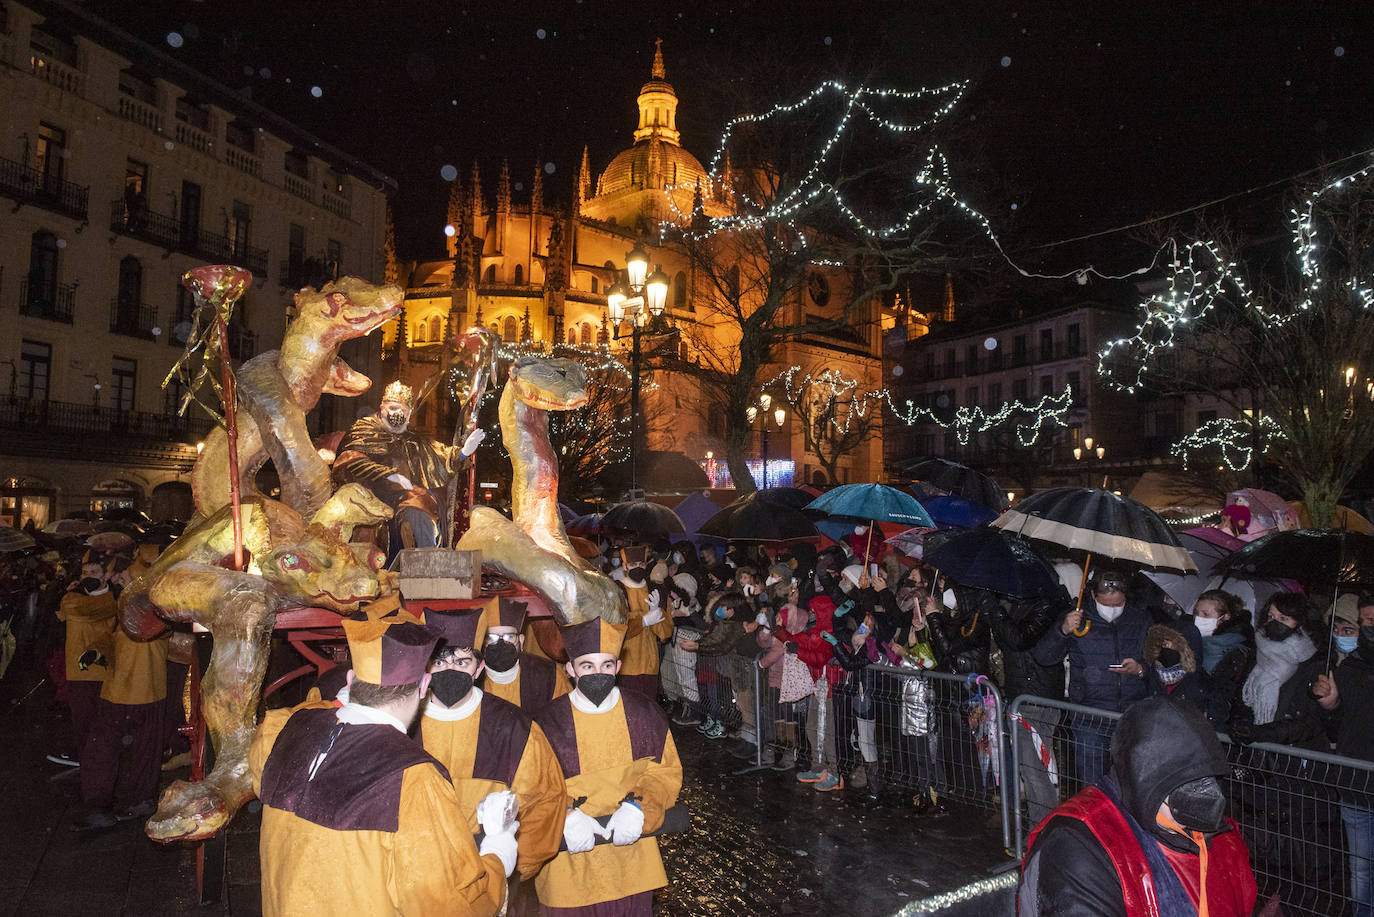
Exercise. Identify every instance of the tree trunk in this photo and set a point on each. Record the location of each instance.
(831, 467)
(736, 447)
(1320, 495)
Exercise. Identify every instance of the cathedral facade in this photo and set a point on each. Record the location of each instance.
(538, 275)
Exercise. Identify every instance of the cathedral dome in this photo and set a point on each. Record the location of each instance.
(652, 164)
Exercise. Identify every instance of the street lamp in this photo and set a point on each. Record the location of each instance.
(640, 299)
(753, 412)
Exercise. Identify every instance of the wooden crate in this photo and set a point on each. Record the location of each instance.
(440, 573)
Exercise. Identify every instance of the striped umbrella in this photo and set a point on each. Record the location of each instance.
(1099, 522)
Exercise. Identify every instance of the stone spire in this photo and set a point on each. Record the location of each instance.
(475, 194)
(525, 325)
(456, 214)
(555, 265)
(658, 73)
(698, 221)
(392, 271)
(584, 180)
(503, 189)
(537, 191)
(947, 307)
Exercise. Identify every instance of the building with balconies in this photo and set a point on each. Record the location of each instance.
(120, 169)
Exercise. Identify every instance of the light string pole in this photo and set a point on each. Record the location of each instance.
(640, 298)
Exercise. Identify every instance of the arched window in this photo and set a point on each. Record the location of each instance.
(595, 284)
(572, 335)
(435, 330)
(418, 336)
(587, 339)
(519, 274)
(510, 330)
(496, 327)
(680, 290)
(489, 275)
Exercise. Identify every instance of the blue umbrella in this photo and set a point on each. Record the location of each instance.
(958, 511)
(695, 509)
(873, 502)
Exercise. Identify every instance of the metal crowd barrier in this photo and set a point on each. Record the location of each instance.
(1289, 802)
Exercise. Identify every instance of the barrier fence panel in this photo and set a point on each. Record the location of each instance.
(1296, 807)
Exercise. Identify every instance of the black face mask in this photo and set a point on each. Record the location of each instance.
(396, 420)
(1169, 657)
(1367, 639)
(1199, 805)
(1277, 630)
(450, 686)
(596, 687)
(91, 584)
(501, 657)
(636, 574)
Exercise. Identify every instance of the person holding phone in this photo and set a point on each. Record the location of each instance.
(1103, 640)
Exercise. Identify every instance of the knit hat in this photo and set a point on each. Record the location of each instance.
(458, 627)
(852, 573)
(658, 573)
(386, 653)
(688, 584)
(505, 611)
(1348, 608)
(595, 636)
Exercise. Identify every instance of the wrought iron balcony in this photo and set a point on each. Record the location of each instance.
(135, 319)
(43, 189)
(54, 301)
(85, 420)
(141, 223)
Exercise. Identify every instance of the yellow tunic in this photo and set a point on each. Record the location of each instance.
(138, 670)
(639, 653)
(90, 619)
(537, 784)
(510, 691)
(608, 771)
(428, 866)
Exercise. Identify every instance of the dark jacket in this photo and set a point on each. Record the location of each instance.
(1158, 746)
(1231, 653)
(1091, 682)
(1017, 629)
(1191, 688)
(958, 652)
(1298, 719)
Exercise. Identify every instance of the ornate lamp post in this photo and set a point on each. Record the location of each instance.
(761, 410)
(639, 298)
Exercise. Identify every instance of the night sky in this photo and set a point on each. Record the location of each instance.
(1079, 117)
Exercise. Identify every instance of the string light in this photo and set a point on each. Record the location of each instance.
(1238, 440)
(937, 903)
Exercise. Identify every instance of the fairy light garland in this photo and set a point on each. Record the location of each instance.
(1236, 440)
(937, 903)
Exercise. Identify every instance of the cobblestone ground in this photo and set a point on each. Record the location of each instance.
(759, 844)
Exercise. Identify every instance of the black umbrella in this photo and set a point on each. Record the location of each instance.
(790, 497)
(1100, 522)
(643, 517)
(957, 480)
(993, 560)
(755, 518)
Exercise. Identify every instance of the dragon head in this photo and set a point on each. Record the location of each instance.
(346, 308)
(549, 384)
(322, 571)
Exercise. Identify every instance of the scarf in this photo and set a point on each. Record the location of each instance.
(1170, 675)
(1217, 646)
(1275, 663)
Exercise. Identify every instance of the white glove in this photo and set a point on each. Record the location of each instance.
(400, 480)
(497, 811)
(503, 847)
(626, 825)
(580, 831)
(472, 442)
(655, 612)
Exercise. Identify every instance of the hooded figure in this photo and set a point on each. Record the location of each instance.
(1170, 661)
(1151, 836)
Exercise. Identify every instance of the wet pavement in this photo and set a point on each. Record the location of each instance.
(759, 844)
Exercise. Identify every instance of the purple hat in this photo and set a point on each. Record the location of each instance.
(595, 636)
(462, 627)
(389, 653)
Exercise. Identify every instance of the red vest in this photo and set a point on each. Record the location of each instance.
(1231, 890)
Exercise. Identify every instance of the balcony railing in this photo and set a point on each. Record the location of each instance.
(243, 160)
(243, 344)
(170, 234)
(135, 319)
(335, 204)
(300, 187)
(43, 189)
(993, 362)
(141, 223)
(86, 421)
(50, 70)
(54, 301)
(192, 136)
(131, 109)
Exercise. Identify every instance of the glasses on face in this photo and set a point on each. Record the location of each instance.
(493, 639)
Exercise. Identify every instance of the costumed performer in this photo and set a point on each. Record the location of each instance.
(524, 679)
(648, 625)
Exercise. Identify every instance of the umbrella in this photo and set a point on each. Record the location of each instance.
(874, 502)
(72, 527)
(1335, 556)
(1268, 511)
(1184, 589)
(1215, 536)
(958, 511)
(566, 513)
(644, 518)
(753, 518)
(11, 540)
(695, 509)
(1099, 522)
(911, 542)
(793, 497)
(589, 524)
(958, 480)
(991, 559)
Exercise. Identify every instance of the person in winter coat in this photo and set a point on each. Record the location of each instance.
(1103, 642)
(1228, 651)
(1277, 705)
(1151, 836)
(958, 621)
(815, 647)
(1171, 665)
(679, 666)
(1017, 628)
(1349, 698)
(728, 614)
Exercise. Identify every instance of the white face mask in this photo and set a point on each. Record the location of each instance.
(762, 619)
(677, 558)
(948, 599)
(1110, 613)
(749, 588)
(771, 581)
(1206, 626)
